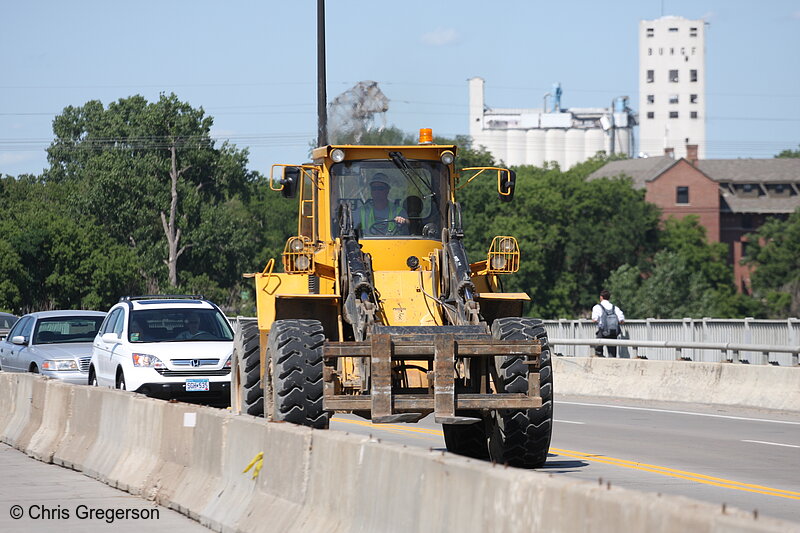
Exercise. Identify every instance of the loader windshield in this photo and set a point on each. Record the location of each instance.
(390, 200)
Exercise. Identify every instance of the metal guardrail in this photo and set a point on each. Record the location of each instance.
(696, 335)
(729, 352)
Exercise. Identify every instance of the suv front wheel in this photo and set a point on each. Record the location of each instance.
(121, 380)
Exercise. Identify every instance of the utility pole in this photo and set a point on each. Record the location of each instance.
(322, 97)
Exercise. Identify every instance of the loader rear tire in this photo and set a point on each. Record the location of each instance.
(248, 359)
(468, 440)
(521, 437)
(295, 348)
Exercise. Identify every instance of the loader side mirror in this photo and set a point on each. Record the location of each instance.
(291, 178)
(506, 182)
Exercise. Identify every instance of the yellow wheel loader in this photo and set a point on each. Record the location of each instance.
(378, 312)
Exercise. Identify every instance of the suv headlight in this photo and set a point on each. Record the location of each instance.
(228, 363)
(147, 360)
(60, 364)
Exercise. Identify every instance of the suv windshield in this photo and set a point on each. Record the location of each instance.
(389, 201)
(176, 325)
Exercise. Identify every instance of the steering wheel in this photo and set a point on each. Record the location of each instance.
(381, 227)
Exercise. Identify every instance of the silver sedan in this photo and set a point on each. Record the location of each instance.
(56, 344)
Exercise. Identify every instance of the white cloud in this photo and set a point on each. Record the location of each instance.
(440, 37)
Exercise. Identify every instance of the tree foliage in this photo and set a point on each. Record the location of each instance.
(774, 251)
(686, 277)
(119, 167)
(789, 153)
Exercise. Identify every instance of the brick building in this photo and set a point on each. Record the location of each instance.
(731, 197)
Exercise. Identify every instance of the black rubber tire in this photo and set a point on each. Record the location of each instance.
(120, 381)
(92, 382)
(295, 349)
(468, 440)
(521, 437)
(248, 359)
(34, 369)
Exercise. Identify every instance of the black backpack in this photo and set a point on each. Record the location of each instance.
(608, 323)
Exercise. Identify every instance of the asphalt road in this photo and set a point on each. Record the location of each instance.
(748, 459)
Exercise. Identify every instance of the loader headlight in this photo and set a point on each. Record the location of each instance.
(507, 245)
(499, 262)
(337, 155)
(302, 262)
(297, 245)
(448, 157)
(503, 255)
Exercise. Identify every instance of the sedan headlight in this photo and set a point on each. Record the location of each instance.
(60, 364)
(147, 360)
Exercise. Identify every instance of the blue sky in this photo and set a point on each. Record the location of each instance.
(252, 64)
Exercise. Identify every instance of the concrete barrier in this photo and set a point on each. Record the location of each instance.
(759, 386)
(191, 459)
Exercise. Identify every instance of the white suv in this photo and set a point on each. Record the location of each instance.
(165, 347)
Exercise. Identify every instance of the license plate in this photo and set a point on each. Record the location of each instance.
(196, 385)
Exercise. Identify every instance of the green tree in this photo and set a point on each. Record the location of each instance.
(788, 154)
(572, 232)
(53, 260)
(774, 252)
(144, 171)
(686, 277)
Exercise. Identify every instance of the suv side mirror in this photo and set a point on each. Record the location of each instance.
(19, 340)
(506, 182)
(110, 338)
(291, 178)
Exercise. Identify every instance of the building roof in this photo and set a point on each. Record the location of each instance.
(640, 170)
(760, 204)
(751, 170)
(723, 171)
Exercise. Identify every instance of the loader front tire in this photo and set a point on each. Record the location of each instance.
(248, 360)
(295, 349)
(521, 437)
(468, 440)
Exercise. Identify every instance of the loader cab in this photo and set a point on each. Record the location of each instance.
(388, 201)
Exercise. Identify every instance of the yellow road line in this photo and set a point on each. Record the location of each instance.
(635, 465)
(681, 474)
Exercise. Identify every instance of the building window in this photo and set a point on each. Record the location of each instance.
(692, 98)
(673, 99)
(651, 114)
(650, 32)
(673, 76)
(747, 221)
(673, 114)
(671, 51)
(681, 195)
(692, 75)
(693, 114)
(673, 30)
(651, 75)
(651, 99)
(649, 51)
(692, 32)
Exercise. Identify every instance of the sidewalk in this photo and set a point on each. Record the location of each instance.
(51, 498)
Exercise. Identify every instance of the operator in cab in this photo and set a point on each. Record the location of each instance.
(380, 216)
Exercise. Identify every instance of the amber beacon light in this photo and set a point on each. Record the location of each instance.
(425, 136)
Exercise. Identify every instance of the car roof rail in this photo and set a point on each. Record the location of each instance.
(163, 297)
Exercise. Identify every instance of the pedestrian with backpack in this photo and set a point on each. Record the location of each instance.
(609, 319)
